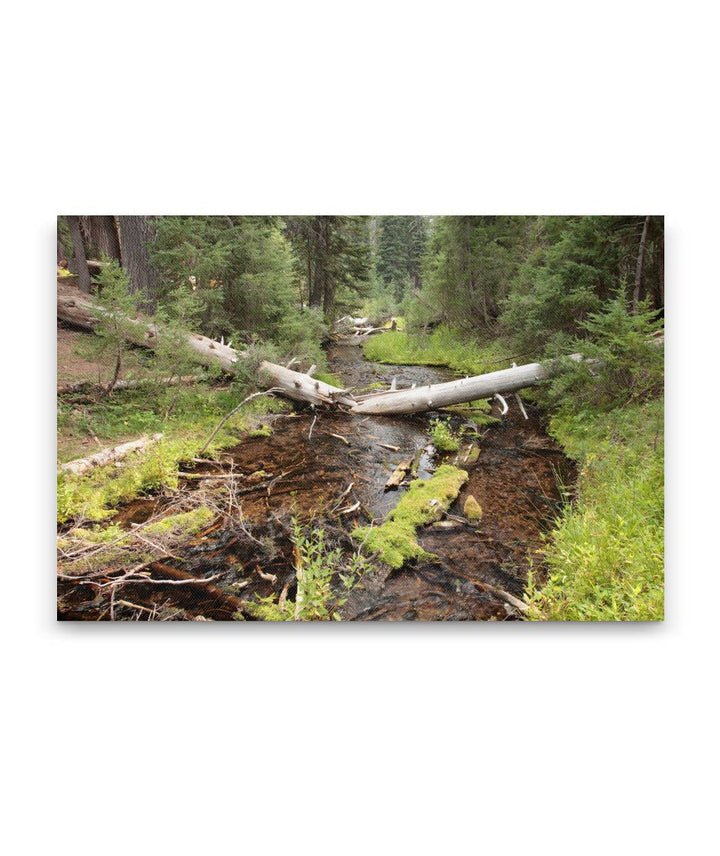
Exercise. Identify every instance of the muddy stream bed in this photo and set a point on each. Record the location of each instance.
(518, 480)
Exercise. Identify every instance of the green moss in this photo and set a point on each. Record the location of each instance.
(187, 523)
(261, 431)
(395, 540)
(98, 534)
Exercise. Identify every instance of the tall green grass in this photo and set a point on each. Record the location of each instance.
(605, 557)
(441, 347)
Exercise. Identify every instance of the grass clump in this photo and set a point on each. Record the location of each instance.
(186, 523)
(395, 540)
(93, 496)
(605, 557)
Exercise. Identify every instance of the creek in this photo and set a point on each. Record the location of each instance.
(314, 466)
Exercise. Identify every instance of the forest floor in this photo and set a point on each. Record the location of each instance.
(230, 524)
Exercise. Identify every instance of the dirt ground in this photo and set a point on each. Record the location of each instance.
(77, 364)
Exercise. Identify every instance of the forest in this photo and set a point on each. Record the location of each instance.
(303, 418)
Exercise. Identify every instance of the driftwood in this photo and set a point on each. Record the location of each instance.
(402, 469)
(108, 456)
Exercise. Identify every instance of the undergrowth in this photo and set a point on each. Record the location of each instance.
(317, 565)
(443, 437)
(185, 416)
(605, 556)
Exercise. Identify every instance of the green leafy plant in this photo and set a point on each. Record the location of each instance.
(443, 437)
(317, 565)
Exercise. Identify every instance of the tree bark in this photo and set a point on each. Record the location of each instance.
(102, 235)
(136, 233)
(79, 251)
(640, 266)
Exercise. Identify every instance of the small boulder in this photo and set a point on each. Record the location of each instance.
(472, 509)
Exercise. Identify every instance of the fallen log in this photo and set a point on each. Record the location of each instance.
(303, 387)
(434, 396)
(108, 456)
(85, 385)
(81, 310)
(367, 331)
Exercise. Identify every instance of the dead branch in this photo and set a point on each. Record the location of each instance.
(227, 416)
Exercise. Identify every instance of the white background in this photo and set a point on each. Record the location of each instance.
(359, 739)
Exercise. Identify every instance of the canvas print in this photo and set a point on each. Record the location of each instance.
(360, 418)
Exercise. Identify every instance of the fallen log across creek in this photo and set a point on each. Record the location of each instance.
(302, 387)
(82, 310)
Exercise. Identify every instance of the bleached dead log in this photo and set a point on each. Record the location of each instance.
(367, 331)
(108, 456)
(434, 396)
(302, 387)
(82, 310)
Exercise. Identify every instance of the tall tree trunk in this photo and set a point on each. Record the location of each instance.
(660, 267)
(102, 235)
(81, 267)
(136, 233)
(317, 285)
(640, 266)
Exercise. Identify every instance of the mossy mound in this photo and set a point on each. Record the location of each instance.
(424, 503)
(472, 509)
